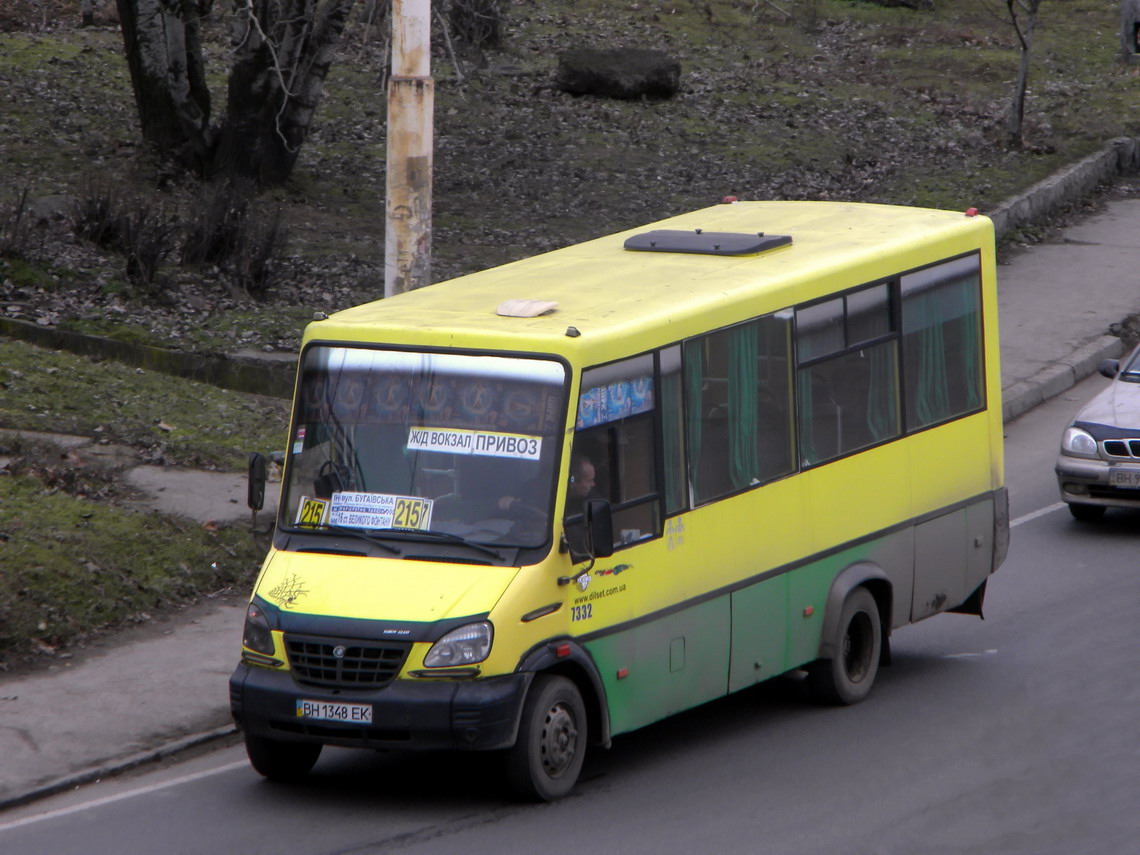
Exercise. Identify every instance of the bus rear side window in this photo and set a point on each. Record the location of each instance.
(942, 342)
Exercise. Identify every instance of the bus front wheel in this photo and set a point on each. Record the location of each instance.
(281, 761)
(847, 677)
(547, 756)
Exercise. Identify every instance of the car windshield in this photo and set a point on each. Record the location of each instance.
(412, 444)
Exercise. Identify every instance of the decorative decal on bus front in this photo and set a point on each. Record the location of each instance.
(485, 443)
(288, 591)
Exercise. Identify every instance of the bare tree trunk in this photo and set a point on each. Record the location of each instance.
(1025, 38)
(164, 54)
(1129, 29)
(282, 53)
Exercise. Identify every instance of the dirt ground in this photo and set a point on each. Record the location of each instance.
(838, 104)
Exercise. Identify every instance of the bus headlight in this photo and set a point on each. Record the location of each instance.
(463, 646)
(1078, 443)
(257, 634)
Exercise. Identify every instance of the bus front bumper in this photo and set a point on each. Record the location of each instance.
(474, 715)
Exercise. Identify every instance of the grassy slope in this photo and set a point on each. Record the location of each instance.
(75, 558)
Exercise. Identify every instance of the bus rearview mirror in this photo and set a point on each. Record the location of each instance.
(599, 528)
(255, 490)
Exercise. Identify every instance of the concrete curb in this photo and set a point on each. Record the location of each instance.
(118, 767)
(1055, 379)
(259, 375)
(1120, 156)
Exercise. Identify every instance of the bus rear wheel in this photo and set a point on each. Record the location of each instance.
(847, 677)
(281, 761)
(547, 756)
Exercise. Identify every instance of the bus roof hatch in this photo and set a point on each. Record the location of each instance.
(705, 243)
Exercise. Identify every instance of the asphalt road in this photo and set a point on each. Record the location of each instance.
(1016, 734)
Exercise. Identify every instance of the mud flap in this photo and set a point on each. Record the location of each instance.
(973, 603)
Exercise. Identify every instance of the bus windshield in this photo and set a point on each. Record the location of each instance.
(427, 443)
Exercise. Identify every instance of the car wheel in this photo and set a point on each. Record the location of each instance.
(547, 756)
(1086, 513)
(281, 761)
(848, 676)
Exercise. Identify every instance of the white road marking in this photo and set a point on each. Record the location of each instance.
(970, 655)
(129, 794)
(1038, 513)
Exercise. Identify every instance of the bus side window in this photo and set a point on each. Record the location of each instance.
(738, 399)
(847, 376)
(943, 360)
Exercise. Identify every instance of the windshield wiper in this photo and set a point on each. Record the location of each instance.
(371, 535)
(435, 534)
(362, 534)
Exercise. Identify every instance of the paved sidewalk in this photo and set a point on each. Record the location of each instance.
(151, 692)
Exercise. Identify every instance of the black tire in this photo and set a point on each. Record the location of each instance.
(1086, 513)
(848, 677)
(281, 761)
(547, 756)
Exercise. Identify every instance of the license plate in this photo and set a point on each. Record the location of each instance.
(1126, 478)
(323, 711)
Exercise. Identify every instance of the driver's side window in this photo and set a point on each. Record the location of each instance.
(614, 451)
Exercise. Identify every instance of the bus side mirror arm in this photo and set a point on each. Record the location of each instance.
(599, 536)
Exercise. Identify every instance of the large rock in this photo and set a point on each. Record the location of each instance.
(626, 73)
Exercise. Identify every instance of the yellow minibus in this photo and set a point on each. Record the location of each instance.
(544, 504)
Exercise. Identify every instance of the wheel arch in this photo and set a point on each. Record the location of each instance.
(861, 575)
(569, 659)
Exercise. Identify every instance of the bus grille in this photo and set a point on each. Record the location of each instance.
(360, 664)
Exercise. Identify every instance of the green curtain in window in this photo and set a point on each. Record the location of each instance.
(971, 340)
(808, 453)
(671, 438)
(743, 428)
(694, 368)
(882, 393)
(933, 403)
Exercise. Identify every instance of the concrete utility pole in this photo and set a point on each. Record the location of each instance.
(411, 102)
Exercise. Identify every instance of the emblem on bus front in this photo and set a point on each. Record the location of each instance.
(339, 651)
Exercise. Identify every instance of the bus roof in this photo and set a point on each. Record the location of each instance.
(620, 301)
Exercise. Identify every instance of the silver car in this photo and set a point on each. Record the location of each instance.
(1099, 463)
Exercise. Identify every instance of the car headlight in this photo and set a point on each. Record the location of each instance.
(257, 635)
(464, 646)
(1078, 442)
